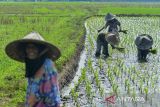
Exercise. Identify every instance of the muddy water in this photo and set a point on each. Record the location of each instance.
(123, 67)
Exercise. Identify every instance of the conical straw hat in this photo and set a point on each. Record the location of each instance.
(14, 51)
(112, 39)
(144, 42)
(109, 17)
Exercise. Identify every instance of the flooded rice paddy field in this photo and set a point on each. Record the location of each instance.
(132, 84)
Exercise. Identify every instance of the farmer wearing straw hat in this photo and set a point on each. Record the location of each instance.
(144, 44)
(38, 56)
(112, 23)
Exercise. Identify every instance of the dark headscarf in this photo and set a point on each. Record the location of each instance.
(33, 65)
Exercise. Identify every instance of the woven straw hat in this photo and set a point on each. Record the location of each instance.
(144, 42)
(14, 51)
(112, 39)
(109, 17)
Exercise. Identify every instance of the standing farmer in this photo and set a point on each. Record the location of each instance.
(144, 44)
(38, 56)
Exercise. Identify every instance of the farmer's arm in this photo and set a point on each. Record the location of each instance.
(119, 25)
(104, 27)
(32, 94)
(55, 94)
(32, 100)
(55, 88)
(120, 28)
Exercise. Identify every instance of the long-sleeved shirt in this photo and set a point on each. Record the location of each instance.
(43, 89)
(113, 24)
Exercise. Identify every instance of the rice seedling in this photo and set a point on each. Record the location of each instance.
(73, 94)
(133, 78)
(76, 86)
(80, 80)
(90, 65)
(96, 76)
(88, 88)
(100, 63)
(134, 93)
(115, 88)
(101, 90)
(126, 83)
(146, 92)
(111, 79)
(128, 89)
(83, 75)
(91, 43)
(141, 86)
(108, 72)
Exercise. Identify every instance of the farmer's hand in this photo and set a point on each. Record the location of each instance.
(98, 31)
(32, 100)
(125, 31)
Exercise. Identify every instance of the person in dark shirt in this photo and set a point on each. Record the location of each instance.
(111, 23)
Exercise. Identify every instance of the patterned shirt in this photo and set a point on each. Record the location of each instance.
(43, 89)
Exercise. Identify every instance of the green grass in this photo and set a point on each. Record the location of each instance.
(59, 23)
(77, 9)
